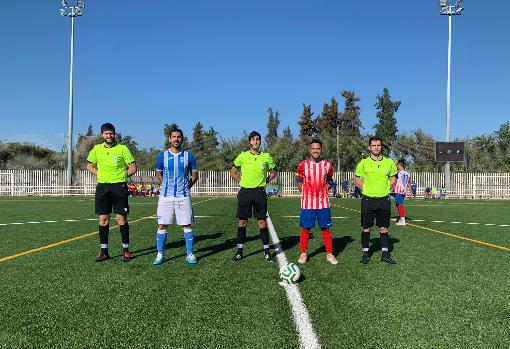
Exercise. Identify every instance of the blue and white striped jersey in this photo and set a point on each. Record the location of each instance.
(176, 169)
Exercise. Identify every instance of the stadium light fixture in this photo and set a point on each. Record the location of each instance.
(447, 9)
(72, 12)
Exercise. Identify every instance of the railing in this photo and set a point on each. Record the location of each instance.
(52, 182)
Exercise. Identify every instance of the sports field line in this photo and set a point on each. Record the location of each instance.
(45, 247)
(442, 232)
(460, 237)
(307, 337)
(337, 217)
(68, 220)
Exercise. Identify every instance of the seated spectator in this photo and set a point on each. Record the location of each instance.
(442, 193)
(428, 192)
(148, 189)
(132, 189)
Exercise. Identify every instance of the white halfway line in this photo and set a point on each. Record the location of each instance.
(307, 337)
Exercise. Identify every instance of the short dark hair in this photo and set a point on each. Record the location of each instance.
(402, 162)
(316, 140)
(253, 134)
(375, 138)
(107, 127)
(176, 129)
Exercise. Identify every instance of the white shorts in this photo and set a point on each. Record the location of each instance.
(182, 208)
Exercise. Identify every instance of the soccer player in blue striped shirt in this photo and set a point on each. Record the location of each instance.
(173, 168)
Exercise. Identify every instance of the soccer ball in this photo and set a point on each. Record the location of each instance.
(289, 273)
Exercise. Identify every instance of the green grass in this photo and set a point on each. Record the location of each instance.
(443, 293)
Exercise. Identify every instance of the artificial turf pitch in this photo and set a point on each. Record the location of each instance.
(444, 292)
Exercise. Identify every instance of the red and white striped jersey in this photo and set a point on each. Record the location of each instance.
(315, 177)
(403, 179)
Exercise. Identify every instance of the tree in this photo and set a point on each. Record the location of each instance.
(90, 131)
(328, 120)
(321, 121)
(198, 144)
(25, 156)
(350, 118)
(306, 125)
(502, 136)
(386, 128)
(273, 123)
(418, 149)
(287, 152)
(230, 148)
(351, 143)
(211, 158)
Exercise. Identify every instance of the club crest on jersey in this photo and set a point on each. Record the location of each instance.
(114, 159)
(263, 164)
(387, 173)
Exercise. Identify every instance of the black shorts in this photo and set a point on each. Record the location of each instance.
(375, 208)
(112, 195)
(252, 200)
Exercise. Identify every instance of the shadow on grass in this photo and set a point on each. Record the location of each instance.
(339, 245)
(230, 244)
(178, 244)
(376, 245)
(396, 218)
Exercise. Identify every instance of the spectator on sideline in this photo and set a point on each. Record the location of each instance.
(333, 186)
(414, 186)
(112, 163)
(345, 187)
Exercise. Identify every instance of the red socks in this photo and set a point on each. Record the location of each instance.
(303, 239)
(328, 240)
(326, 237)
(401, 211)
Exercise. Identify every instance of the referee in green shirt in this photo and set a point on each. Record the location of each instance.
(375, 175)
(252, 198)
(112, 163)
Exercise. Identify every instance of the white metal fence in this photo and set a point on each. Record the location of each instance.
(52, 182)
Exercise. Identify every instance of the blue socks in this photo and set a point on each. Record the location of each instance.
(160, 241)
(188, 238)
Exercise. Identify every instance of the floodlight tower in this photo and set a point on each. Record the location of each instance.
(447, 9)
(72, 12)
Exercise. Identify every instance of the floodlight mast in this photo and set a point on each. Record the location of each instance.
(72, 12)
(449, 10)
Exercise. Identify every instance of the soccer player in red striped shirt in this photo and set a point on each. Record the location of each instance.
(313, 177)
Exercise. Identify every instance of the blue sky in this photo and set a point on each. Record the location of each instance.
(142, 64)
